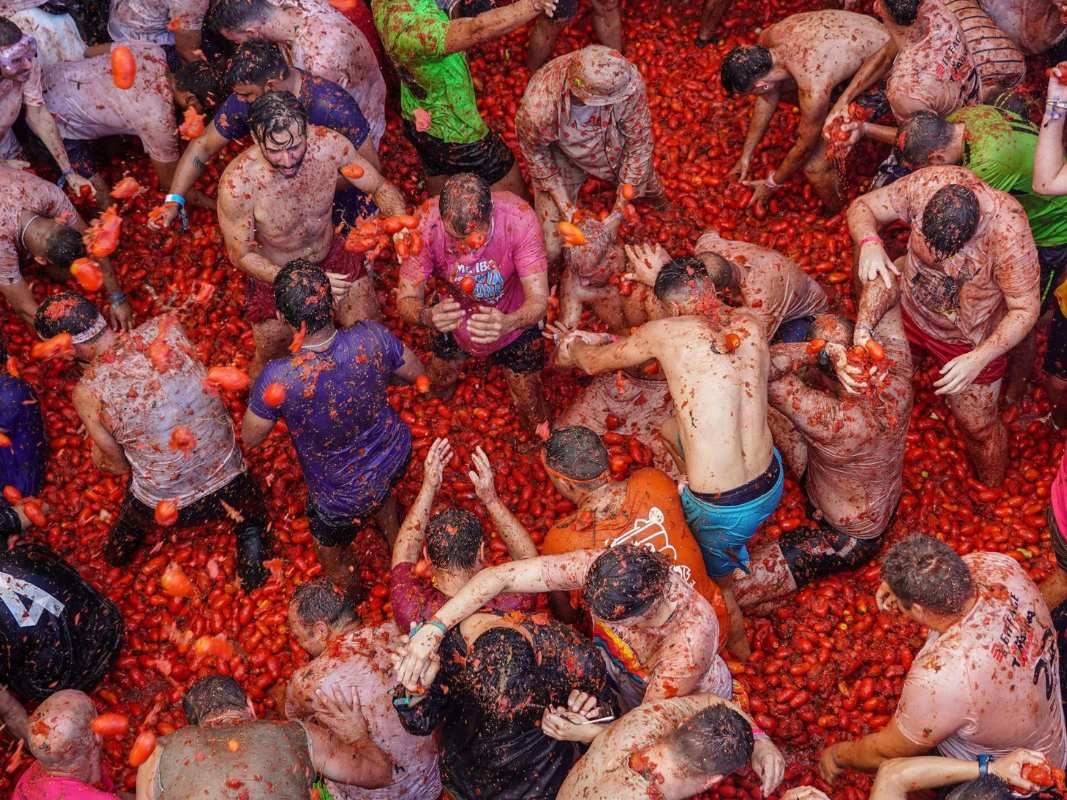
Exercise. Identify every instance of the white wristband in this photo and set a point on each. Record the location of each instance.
(769, 182)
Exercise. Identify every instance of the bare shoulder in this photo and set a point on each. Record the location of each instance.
(330, 143)
(236, 179)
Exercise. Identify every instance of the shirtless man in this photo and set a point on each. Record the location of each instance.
(137, 392)
(348, 655)
(272, 761)
(585, 114)
(67, 752)
(719, 431)
(809, 55)
(657, 636)
(320, 41)
(87, 105)
(967, 289)
(20, 87)
(38, 221)
(674, 749)
(264, 229)
(968, 692)
(854, 453)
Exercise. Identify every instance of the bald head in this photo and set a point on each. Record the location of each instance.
(60, 736)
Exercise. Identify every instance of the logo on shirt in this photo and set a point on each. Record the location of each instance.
(652, 535)
(12, 592)
(488, 282)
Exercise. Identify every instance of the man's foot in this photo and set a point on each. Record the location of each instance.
(121, 547)
(253, 548)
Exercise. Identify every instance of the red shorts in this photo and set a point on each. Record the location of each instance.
(259, 295)
(943, 351)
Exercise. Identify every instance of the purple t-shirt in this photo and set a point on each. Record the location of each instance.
(37, 784)
(513, 250)
(349, 440)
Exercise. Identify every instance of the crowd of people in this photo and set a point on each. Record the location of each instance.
(593, 664)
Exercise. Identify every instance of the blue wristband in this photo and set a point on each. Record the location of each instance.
(437, 624)
(63, 176)
(179, 201)
(117, 299)
(983, 764)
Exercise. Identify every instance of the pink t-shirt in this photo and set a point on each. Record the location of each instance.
(22, 193)
(36, 784)
(514, 250)
(991, 682)
(87, 105)
(13, 93)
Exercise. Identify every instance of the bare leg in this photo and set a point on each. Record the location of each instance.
(1054, 588)
(736, 641)
(360, 303)
(984, 434)
(1057, 395)
(542, 40)
(529, 398)
(607, 23)
(339, 565)
(710, 17)
(513, 182)
(272, 339)
(1020, 368)
(788, 441)
(387, 519)
(822, 174)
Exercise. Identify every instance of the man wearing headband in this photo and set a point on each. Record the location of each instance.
(453, 543)
(968, 290)
(437, 100)
(585, 114)
(715, 360)
(808, 54)
(320, 40)
(173, 24)
(853, 451)
(143, 402)
(485, 250)
(675, 749)
(657, 637)
(88, 106)
(38, 221)
(22, 461)
(264, 229)
(20, 86)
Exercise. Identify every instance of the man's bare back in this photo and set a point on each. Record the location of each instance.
(290, 217)
(821, 49)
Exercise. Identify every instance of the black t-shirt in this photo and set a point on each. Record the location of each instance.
(507, 757)
(56, 631)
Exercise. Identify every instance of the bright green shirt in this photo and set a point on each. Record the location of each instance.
(413, 35)
(998, 147)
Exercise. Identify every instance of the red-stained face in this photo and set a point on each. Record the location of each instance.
(285, 150)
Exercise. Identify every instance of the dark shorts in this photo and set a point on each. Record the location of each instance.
(793, 330)
(331, 532)
(489, 157)
(1052, 260)
(259, 295)
(1056, 354)
(523, 356)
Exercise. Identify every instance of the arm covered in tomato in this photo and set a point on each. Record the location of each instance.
(899, 776)
(107, 453)
(409, 541)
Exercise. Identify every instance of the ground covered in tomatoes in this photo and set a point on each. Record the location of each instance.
(826, 666)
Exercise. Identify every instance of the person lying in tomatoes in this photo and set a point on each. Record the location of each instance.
(987, 680)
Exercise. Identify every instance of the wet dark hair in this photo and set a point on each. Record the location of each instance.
(66, 312)
(714, 741)
(453, 539)
(202, 80)
(721, 270)
(302, 295)
(674, 279)
(64, 246)
(502, 671)
(818, 327)
(10, 33)
(921, 135)
(984, 787)
(576, 452)
(466, 202)
(274, 113)
(950, 219)
(320, 601)
(210, 695)
(625, 581)
(923, 570)
(903, 12)
(743, 66)
(255, 62)
(233, 15)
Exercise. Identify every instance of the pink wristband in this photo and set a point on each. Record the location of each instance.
(869, 239)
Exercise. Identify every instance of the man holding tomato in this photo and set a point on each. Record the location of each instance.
(486, 251)
(967, 290)
(985, 683)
